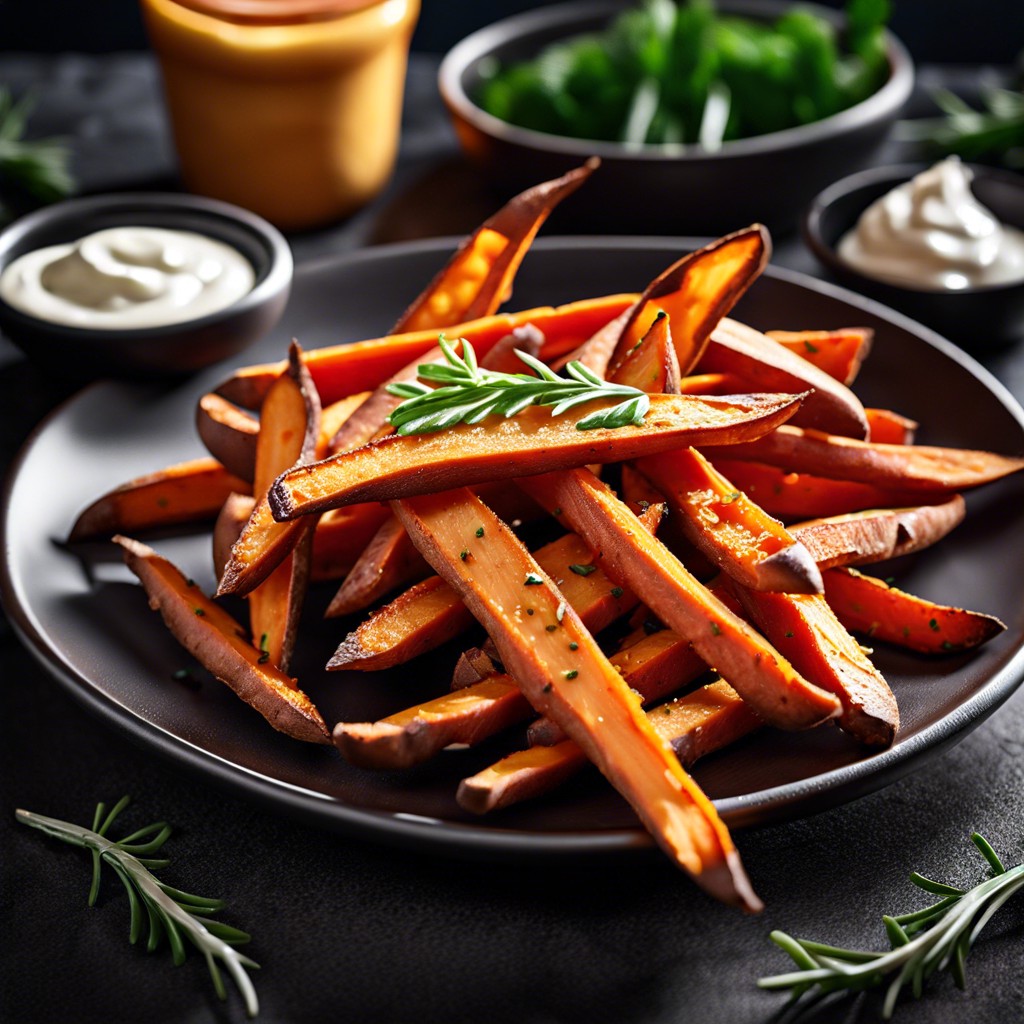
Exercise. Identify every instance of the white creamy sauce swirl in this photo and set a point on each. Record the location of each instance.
(128, 277)
(932, 233)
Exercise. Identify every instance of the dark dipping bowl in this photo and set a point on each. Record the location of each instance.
(977, 319)
(657, 189)
(173, 350)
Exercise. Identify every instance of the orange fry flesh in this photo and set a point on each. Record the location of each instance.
(532, 442)
(799, 496)
(431, 612)
(871, 607)
(187, 492)
(478, 278)
(347, 369)
(728, 527)
(806, 631)
(838, 353)
(696, 724)
(901, 467)
(772, 687)
(218, 643)
(564, 674)
(860, 538)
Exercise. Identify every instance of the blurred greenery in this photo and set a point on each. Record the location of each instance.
(31, 172)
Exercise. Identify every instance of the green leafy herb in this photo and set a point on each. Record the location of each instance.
(468, 394)
(532, 580)
(670, 74)
(924, 941)
(995, 133)
(582, 570)
(155, 905)
(31, 172)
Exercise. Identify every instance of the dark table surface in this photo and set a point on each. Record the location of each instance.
(352, 931)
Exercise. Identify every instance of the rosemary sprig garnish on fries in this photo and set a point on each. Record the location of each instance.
(923, 941)
(468, 394)
(167, 910)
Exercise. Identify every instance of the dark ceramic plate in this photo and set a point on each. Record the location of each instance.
(87, 621)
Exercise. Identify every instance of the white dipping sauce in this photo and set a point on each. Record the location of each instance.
(932, 233)
(128, 277)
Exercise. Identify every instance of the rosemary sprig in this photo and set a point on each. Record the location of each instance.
(468, 393)
(167, 910)
(924, 941)
(994, 133)
(35, 170)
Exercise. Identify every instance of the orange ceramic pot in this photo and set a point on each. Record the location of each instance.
(289, 108)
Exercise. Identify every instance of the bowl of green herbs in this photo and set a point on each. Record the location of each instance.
(706, 116)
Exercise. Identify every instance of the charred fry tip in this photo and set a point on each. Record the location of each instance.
(375, 744)
(727, 881)
(477, 798)
(792, 570)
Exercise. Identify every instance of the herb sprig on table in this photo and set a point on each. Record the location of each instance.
(935, 938)
(156, 907)
(469, 394)
(35, 171)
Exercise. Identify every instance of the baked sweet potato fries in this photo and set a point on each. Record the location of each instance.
(657, 531)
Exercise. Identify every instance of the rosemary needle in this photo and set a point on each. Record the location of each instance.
(923, 941)
(168, 911)
(468, 394)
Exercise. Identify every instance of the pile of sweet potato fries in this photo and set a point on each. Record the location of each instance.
(672, 528)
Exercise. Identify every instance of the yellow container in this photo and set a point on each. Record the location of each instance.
(290, 108)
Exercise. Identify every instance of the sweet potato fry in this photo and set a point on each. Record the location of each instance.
(839, 353)
(188, 492)
(860, 538)
(489, 700)
(229, 434)
(888, 427)
(797, 496)
(895, 466)
(696, 292)
(412, 736)
(233, 516)
(348, 369)
(430, 613)
(709, 718)
(871, 607)
(389, 560)
(710, 384)
(289, 433)
(765, 365)
(370, 420)
(772, 687)
(532, 442)
(728, 527)
(522, 775)
(655, 666)
(341, 536)
(806, 631)
(218, 643)
(652, 364)
(478, 278)
(695, 724)
(564, 674)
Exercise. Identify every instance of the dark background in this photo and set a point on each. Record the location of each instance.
(945, 31)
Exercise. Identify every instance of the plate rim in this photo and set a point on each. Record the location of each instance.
(777, 804)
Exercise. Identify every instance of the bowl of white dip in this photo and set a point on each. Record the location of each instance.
(140, 284)
(942, 243)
